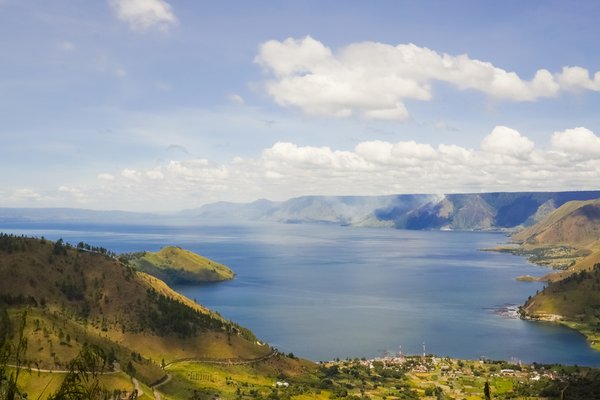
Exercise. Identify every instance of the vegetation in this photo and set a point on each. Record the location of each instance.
(175, 265)
(98, 323)
(399, 378)
(568, 239)
(83, 304)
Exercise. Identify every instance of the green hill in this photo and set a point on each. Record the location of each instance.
(570, 236)
(76, 297)
(175, 265)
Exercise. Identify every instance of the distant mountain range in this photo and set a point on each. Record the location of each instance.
(469, 211)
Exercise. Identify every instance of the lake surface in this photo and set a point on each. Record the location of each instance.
(323, 291)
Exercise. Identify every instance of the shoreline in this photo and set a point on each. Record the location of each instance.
(543, 257)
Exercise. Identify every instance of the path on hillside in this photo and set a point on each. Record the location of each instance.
(163, 381)
(228, 361)
(224, 361)
(56, 371)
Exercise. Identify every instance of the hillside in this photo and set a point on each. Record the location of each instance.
(175, 265)
(74, 297)
(568, 238)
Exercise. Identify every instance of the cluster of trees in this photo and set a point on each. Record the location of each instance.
(12, 243)
(164, 316)
(168, 316)
(95, 249)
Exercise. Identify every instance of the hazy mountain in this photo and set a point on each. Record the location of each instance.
(21, 215)
(472, 211)
(488, 211)
(340, 210)
(223, 210)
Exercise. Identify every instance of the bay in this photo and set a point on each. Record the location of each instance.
(325, 292)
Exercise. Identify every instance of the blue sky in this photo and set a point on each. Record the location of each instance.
(165, 104)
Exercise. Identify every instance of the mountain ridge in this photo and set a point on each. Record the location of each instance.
(494, 211)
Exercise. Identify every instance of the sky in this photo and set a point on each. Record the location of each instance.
(163, 105)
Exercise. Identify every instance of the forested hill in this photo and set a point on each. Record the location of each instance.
(86, 295)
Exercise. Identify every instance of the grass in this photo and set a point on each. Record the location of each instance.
(74, 297)
(176, 265)
(42, 384)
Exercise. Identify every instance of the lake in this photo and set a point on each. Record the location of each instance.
(324, 291)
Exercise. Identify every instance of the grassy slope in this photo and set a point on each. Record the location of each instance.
(77, 297)
(176, 265)
(573, 295)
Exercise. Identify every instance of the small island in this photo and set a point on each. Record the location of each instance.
(175, 265)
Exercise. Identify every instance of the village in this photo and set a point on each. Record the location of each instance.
(398, 376)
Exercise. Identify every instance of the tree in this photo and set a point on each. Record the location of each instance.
(486, 391)
(82, 381)
(12, 352)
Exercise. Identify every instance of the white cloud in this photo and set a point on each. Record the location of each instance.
(105, 177)
(155, 175)
(78, 194)
(373, 80)
(131, 174)
(26, 194)
(143, 15)
(578, 78)
(577, 141)
(311, 157)
(506, 160)
(401, 153)
(506, 141)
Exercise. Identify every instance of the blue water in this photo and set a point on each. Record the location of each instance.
(325, 291)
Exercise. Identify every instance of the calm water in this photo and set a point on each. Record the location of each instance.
(323, 291)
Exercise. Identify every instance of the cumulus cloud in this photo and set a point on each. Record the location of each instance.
(143, 15)
(578, 78)
(505, 160)
(579, 141)
(373, 80)
(506, 141)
